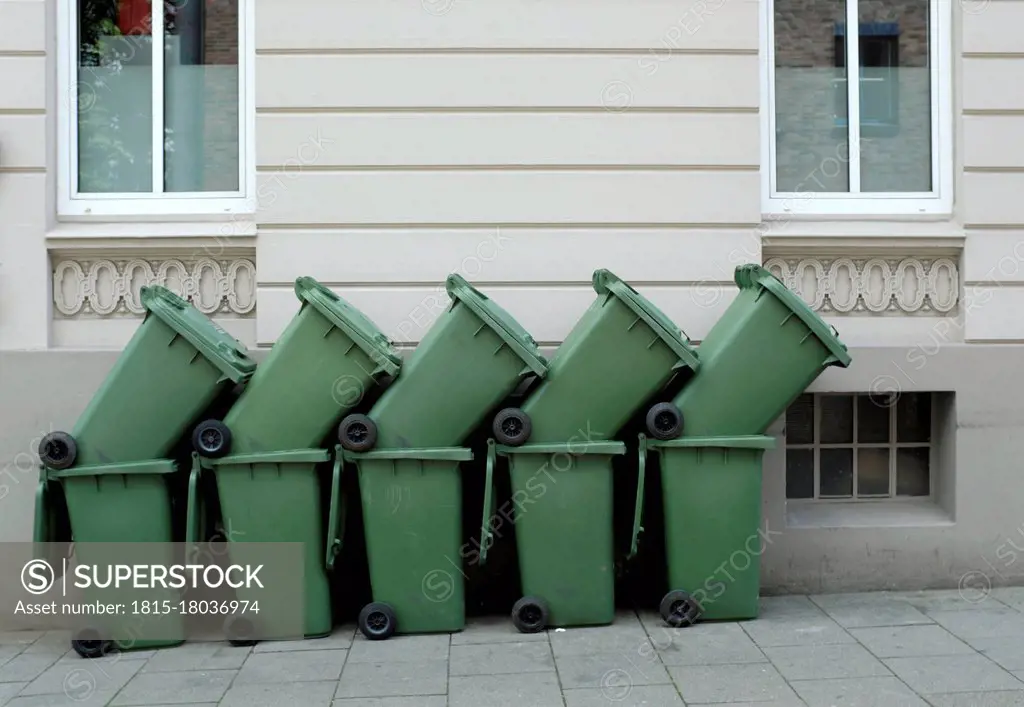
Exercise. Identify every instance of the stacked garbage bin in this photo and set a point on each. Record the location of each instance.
(406, 449)
(110, 480)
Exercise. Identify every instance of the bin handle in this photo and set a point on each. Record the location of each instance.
(486, 537)
(638, 509)
(192, 510)
(336, 520)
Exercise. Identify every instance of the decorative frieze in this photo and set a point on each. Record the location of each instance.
(110, 287)
(872, 286)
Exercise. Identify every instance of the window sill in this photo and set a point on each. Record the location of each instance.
(922, 513)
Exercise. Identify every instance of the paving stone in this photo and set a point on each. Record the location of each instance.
(1011, 596)
(962, 673)
(80, 678)
(399, 648)
(730, 683)
(857, 692)
(26, 667)
(494, 629)
(9, 689)
(708, 644)
(637, 696)
(612, 672)
(823, 662)
(933, 601)
(427, 677)
(1010, 698)
(1007, 652)
(797, 631)
(340, 639)
(198, 656)
(95, 699)
(307, 694)
(983, 623)
(298, 666)
(189, 687)
(910, 641)
(501, 658)
(51, 642)
(20, 638)
(628, 637)
(770, 608)
(423, 701)
(864, 610)
(533, 689)
(9, 651)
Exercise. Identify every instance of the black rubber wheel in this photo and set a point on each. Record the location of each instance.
(530, 615)
(239, 631)
(58, 451)
(512, 427)
(357, 433)
(211, 438)
(680, 609)
(664, 421)
(88, 644)
(377, 621)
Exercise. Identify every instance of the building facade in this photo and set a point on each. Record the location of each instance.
(380, 146)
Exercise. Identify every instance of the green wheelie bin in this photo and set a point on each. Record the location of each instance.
(472, 358)
(412, 516)
(563, 495)
(320, 367)
(758, 357)
(274, 497)
(114, 503)
(174, 366)
(711, 497)
(622, 351)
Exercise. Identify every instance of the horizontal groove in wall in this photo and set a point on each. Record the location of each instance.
(481, 224)
(270, 110)
(20, 53)
(272, 169)
(990, 342)
(993, 111)
(21, 111)
(22, 170)
(592, 51)
(994, 226)
(993, 55)
(995, 170)
(560, 285)
(995, 282)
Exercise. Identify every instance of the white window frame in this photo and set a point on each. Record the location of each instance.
(893, 446)
(856, 203)
(71, 203)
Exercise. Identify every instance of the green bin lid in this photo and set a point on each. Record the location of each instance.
(751, 275)
(736, 442)
(606, 281)
(356, 325)
(518, 339)
(219, 347)
(148, 467)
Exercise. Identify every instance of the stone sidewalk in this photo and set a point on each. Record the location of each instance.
(945, 649)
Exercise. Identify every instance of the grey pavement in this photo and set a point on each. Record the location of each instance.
(901, 649)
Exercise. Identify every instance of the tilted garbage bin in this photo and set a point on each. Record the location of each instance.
(174, 366)
(412, 517)
(763, 352)
(711, 496)
(562, 495)
(472, 357)
(115, 503)
(620, 352)
(326, 360)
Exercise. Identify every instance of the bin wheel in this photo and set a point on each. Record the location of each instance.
(530, 615)
(88, 644)
(664, 421)
(512, 427)
(211, 438)
(357, 433)
(377, 621)
(58, 451)
(239, 631)
(680, 609)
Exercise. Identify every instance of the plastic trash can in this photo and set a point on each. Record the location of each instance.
(622, 351)
(115, 503)
(412, 517)
(274, 497)
(711, 495)
(320, 367)
(763, 352)
(563, 499)
(174, 366)
(473, 357)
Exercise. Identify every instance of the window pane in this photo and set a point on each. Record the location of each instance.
(912, 472)
(914, 417)
(201, 119)
(873, 418)
(800, 421)
(836, 473)
(115, 91)
(836, 419)
(799, 473)
(872, 472)
(811, 146)
(895, 97)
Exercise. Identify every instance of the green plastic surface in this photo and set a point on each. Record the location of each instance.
(464, 366)
(620, 353)
(412, 514)
(763, 352)
(711, 495)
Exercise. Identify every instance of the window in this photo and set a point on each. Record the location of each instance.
(875, 140)
(859, 447)
(155, 132)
